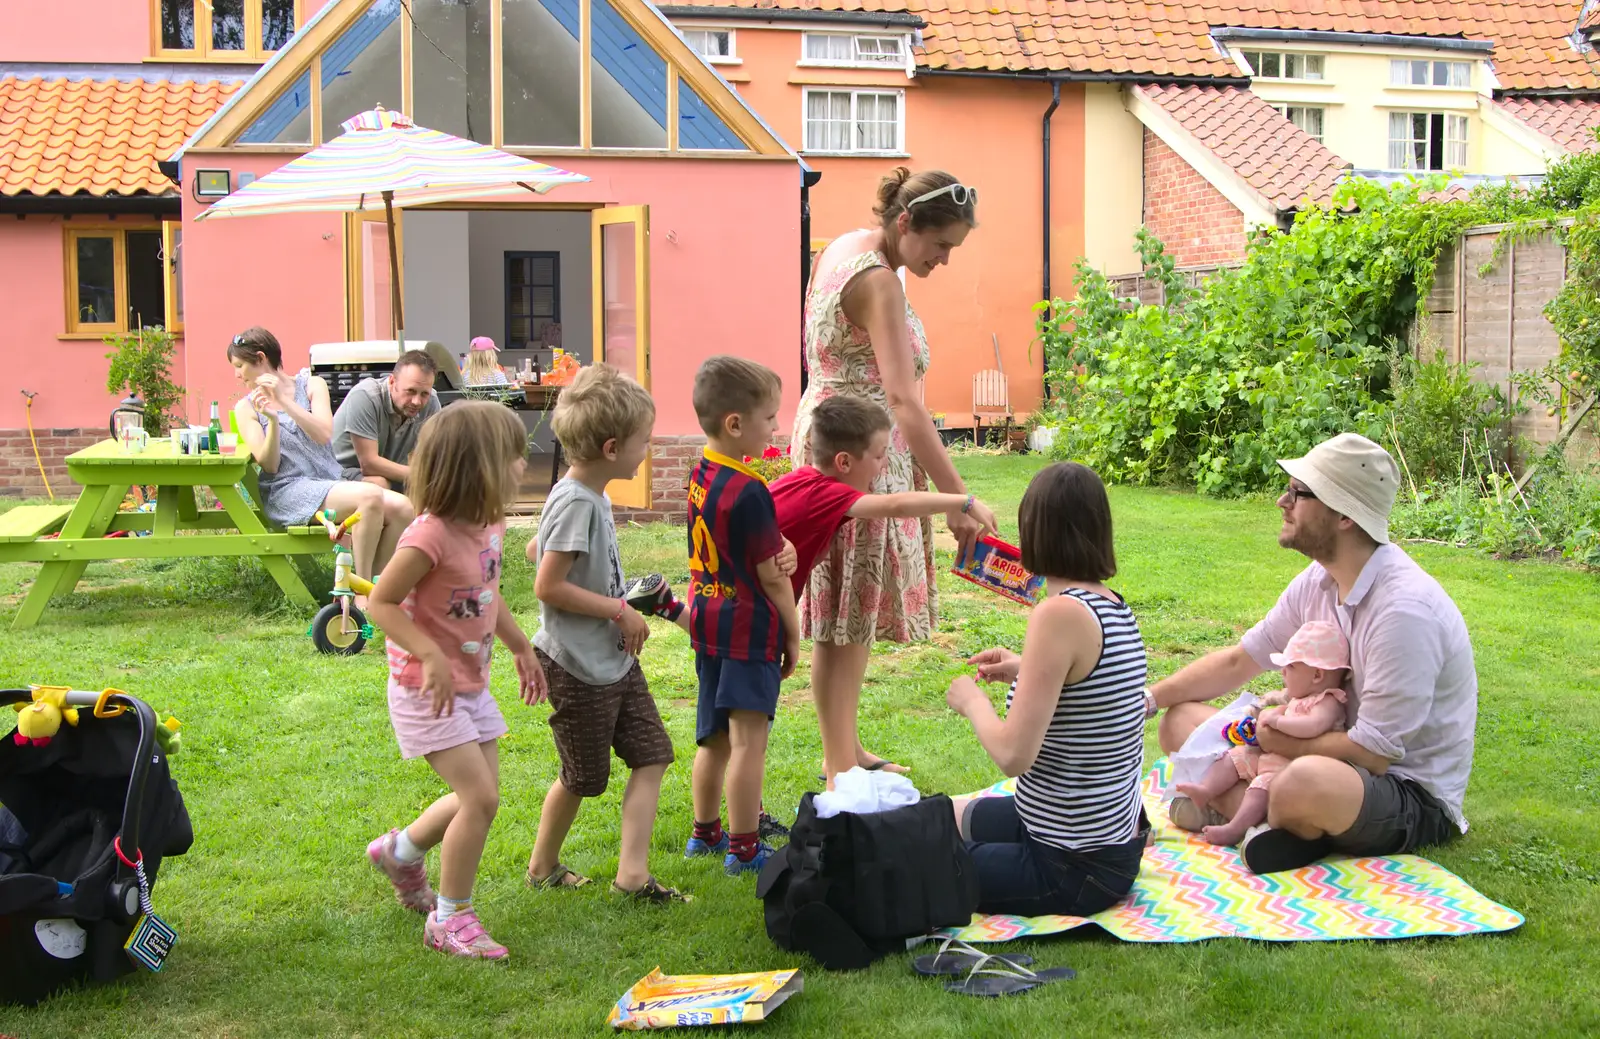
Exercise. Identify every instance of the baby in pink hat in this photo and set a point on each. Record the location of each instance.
(1311, 702)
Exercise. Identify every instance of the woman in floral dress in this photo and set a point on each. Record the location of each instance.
(862, 338)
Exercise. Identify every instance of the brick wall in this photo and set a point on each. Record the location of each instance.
(1197, 223)
(670, 462)
(19, 473)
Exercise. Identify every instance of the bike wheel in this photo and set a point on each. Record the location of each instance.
(332, 634)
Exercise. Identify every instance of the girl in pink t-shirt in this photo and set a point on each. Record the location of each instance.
(439, 606)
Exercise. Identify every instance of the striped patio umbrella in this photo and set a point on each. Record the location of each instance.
(382, 161)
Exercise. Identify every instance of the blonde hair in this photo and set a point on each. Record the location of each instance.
(727, 385)
(461, 467)
(481, 366)
(602, 403)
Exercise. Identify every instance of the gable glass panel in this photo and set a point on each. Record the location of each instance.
(542, 86)
(628, 81)
(361, 69)
(287, 120)
(451, 67)
(699, 126)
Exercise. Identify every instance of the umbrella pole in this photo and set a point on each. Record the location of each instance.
(397, 317)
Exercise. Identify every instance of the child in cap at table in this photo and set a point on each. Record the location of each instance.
(483, 367)
(589, 638)
(439, 606)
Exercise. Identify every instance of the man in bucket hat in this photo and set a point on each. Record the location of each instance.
(1395, 780)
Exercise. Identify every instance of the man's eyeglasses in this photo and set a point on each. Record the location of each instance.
(960, 194)
(1296, 493)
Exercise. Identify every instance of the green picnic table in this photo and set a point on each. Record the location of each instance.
(106, 472)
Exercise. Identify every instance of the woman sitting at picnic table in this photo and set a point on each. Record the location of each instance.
(1070, 841)
(288, 425)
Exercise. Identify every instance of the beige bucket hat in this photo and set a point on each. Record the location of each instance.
(1352, 476)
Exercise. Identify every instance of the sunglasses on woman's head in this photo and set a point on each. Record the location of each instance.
(960, 194)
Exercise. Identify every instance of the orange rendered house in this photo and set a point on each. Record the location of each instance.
(1199, 120)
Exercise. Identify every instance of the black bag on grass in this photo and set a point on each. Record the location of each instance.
(853, 888)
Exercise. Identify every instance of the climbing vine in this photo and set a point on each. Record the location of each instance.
(1303, 340)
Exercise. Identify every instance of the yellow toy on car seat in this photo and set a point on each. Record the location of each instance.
(39, 720)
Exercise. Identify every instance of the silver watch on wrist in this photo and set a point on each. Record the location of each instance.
(1150, 707)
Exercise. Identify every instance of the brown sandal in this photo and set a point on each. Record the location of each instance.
(652, 891)
(560, 877)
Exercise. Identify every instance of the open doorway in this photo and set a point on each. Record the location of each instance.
(520, 277)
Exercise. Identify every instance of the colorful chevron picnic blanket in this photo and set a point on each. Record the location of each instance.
(1189, 890)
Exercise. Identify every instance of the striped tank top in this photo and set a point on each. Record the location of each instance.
(1082, 791)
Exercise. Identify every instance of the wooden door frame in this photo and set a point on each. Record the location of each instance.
(635, 493)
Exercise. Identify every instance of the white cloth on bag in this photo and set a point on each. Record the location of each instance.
(865, 792)
(1205, 745)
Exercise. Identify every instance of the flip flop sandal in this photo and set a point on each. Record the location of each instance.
(955, 964)
(652, 891)
(560, 877)
(999, 981)
(963, 960)
(876, 766)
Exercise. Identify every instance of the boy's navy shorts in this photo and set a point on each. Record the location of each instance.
(732, 685)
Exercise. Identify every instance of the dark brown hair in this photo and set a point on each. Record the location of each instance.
(256, 340)
(899, 188)
(847, 424)
(420, 359)
(727, 385)
(461, 467)
(1065, 524)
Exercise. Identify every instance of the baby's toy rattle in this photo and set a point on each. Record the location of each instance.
(1241, 733)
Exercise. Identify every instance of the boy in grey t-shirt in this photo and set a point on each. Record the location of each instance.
(589, 638)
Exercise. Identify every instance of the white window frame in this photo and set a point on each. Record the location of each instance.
(855, 93)
(1251, 59)
(1286, 110)
(856, 61)
(1405, 68)
(730, 58)
(1455, 148)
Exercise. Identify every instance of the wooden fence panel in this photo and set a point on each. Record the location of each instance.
(1495, 319)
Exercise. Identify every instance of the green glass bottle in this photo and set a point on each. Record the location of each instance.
(214, 435)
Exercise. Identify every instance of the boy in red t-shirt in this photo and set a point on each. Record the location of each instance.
(849, 442)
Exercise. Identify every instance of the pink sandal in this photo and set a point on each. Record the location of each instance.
(410, 879)
(462, 934)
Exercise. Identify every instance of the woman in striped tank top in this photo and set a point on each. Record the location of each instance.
(1071, 839)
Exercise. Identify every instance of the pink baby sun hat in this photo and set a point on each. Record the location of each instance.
(482, 343)
(1318, 643)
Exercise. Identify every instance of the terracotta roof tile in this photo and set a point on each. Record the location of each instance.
(97, 137)
(1568, 122)
(1282, 162)
(1172, 37)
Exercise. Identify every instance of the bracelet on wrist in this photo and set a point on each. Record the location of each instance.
(622, 607)
(968, 506)
(1150, 707)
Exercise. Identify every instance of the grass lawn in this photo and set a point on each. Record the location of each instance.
(289, 768)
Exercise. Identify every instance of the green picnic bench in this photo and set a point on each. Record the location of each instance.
(176, 529)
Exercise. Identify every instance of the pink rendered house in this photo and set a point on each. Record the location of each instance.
(686, 241)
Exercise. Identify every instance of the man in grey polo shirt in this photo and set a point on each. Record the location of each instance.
(376, 426)
(1395, 780)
